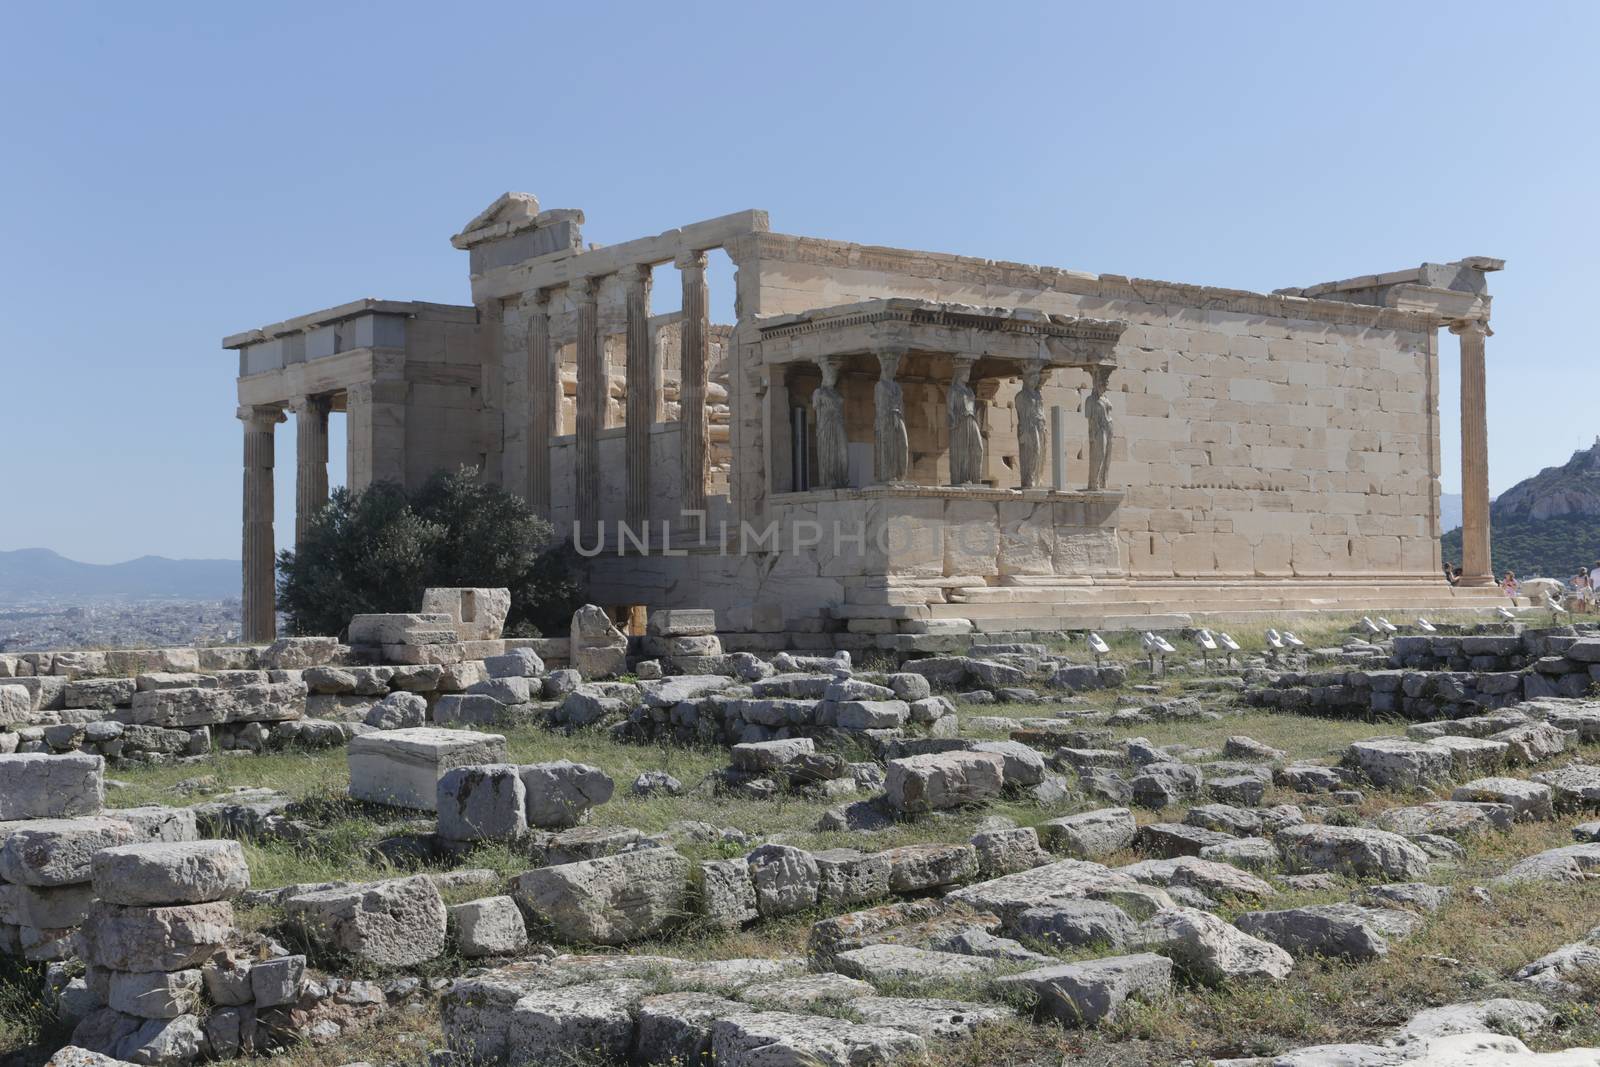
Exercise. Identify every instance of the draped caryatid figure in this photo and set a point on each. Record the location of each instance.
(966, 437)
(833, 453)
(1032, 436)
(1098, 413)
(893, 458)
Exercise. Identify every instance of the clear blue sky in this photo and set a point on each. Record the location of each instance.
(177, 172)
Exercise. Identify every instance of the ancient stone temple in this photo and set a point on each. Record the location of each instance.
(902, 443)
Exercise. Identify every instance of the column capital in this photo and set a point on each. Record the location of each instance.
(635, 273)
(260, 418)
(692, 260)
(586, 287)
(1480, 327)
(539, 298)
(889, 357)
(312, 403)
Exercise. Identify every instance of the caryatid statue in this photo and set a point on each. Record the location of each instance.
(1097, 410)
(966, 438)
(1032, 438)
(833, 453)
(893, 443)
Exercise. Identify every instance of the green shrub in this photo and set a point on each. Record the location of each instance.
(377, 550)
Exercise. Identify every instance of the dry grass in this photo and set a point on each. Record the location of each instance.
(1467, 951)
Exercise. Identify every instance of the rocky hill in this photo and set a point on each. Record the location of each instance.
(1547, 525)
(28, 575)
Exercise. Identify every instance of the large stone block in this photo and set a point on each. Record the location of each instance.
(35, 785)
(52, 852)
(402, 768)
(492, 926)
(610, 900)
(212, 706)
(396, 923)
(560, 793)
(153, 873)
(155, 994)
(599, 649)
(943, 780)
(1084, 994)
(482, 803)
(154, 939)
(768, 1039)
(1209, 949)
(475, 614)
(1091, 834)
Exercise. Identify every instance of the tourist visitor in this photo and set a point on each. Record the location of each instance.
(1594, 576)
(1582, 590)
(1451, 573)
(1510, 586)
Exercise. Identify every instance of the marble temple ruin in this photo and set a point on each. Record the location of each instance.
(896, 442)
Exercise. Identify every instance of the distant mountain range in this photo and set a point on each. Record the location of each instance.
(1449, 511)
(1545, 526)
(35, 573)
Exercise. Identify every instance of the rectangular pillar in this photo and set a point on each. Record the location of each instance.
(591, 408)
(1476, 565)
(544, 398)
(258, 615)
(642, 395)
(695, 441)
(375, 428)
(311, 461)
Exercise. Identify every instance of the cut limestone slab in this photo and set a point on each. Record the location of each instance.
(402, 768)
(905, 964)
(396, 923)
(1528, 800)
(37, 785)
(942, 780)
(767, 1039)
(54, 852)
(1209, 949)
(1352, 850)
(1091, 834)
(925, 1016)
(154, 939)
(482, 802)
(609, 900)
(492, 926)
(1083, 994)
(1346, 931)
(156, 873)
(561, 793)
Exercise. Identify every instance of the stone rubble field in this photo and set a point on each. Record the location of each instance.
(1375, 852)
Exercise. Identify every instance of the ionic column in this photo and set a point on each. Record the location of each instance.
(643, 394)
(257, 588)
(544, 398)
(311, 461)
(695, 442)
(1476, 568)
(591, 408)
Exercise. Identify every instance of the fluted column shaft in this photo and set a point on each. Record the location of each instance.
(1476, 566)
(642, 394)
(258, 615)
(544, 399)
(311, 461)
(695, 440)
(591, 407)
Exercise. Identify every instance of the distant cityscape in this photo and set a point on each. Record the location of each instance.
(47, 624)
(50, 602)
